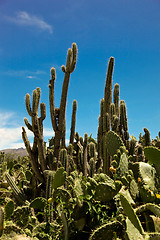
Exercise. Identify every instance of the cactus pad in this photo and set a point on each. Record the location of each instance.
(113, 142)
(129, 211)
(152, 154)
(108, 231)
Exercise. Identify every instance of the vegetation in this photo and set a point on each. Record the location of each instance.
(91, 189)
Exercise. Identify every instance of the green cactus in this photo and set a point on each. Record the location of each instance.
(116, 99)
(130, 213)
(38, 203)
(108, 86)
(85, 155)
(153, 156)
(147, 139)
(1, 221)
(58, 114)
(9, 208)
(36, 127)
(113, 142)
(106, 190)
(19, 195)
(73, 123)
(49, 175)
(92, 167)
(148, 175)
(108, 231)
(155, 209)
(59, 178)
(64, 159)
(123, 164)
(64, 221)
(21, 216)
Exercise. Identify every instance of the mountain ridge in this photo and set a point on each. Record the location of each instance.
(15, 151)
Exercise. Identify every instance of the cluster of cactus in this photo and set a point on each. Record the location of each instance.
(113, 116)
(3, 165)
(89, 189)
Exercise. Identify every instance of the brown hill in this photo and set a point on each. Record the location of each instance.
(17, 152)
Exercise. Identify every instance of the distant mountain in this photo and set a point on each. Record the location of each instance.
(17, 152)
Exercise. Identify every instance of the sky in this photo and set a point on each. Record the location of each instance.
(35, 36)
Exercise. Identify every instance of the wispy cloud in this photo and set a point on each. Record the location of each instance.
(24, 73)
(11, 135)
(25, 19)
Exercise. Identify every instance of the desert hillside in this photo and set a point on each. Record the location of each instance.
(17, 152)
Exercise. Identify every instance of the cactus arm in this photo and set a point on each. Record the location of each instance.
(74, 57)
(147, 137)
(32, 154)
(108, 86)
(70, 65)
(28, 125)
(43, 111)
(85, 162)
(20, 197)
(73, 123)
(123, 116)
(51, 98)
(116, 98)
(28, 104)
(26, 141)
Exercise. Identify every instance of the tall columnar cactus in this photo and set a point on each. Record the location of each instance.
(37, 152)
(123, 123)
(85, 159)
(58, 114)
(73, 123)
(18, 194)
(116, 98)
(113, 116)
(49, 175)
(108, 86)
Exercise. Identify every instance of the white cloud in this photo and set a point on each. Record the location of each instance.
(24, 73)
(11, 135)
(5, 117)
(25, 19)
(30, 77)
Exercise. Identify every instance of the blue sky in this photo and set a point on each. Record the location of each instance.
(35, 36)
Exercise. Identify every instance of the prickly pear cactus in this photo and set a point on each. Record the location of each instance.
(130, 213)
(123, 164)
(59, 178)
(108, 231)
(152, 154)
(113, 142)
(9, 208)
(148, 175)
(105, 191)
